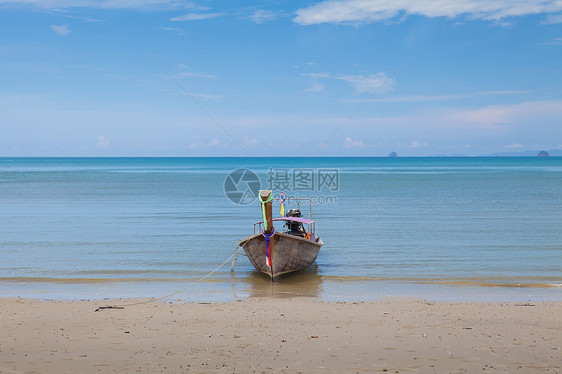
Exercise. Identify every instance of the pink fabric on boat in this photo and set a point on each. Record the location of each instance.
(295, 219)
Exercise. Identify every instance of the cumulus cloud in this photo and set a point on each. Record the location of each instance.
(250, 141)
(350, 143)
(352, 11)
(61, 30)
(213, 143)
(102, 142)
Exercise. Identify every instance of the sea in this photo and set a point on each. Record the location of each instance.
(442, 229)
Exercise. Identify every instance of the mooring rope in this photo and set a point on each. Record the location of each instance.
(121, 306)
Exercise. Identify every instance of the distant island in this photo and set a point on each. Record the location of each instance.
(543, 153)
(393, 155)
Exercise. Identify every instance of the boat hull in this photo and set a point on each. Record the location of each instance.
(290, 253)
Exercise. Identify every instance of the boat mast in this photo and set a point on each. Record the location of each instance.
(265, 195)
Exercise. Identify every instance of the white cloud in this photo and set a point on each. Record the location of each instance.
(250, 141)
(351, 11)
(188, 74)
(430, 98)
(487, 117)
(26, 117)
(196, 16)
(261, 16)
(315, 87)
(368, 83)
(361, 83)
(554, 41)
(317, 75)
(208, 96)
(530, 112)
(416, 144)
(536, 121)
(350, 143)
(176, 30)
(106, 4)
(504, 23)
(61, 30)
(513, 146)
(551, 19)
(213, 143)
(102, 142)
(64, 13)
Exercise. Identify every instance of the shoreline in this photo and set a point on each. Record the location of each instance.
(288, 335)
(321, 290)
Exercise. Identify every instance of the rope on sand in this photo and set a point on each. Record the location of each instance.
(122, 306)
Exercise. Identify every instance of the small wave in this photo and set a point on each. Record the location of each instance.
(506, 282)
(95, 280)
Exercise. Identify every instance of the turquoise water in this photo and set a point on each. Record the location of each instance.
(442, 228)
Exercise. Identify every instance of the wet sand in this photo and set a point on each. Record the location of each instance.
(261, 335)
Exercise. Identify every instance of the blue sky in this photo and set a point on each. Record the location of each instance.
(260, 78)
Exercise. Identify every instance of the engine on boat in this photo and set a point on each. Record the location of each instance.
(294, 228)
(293, 213)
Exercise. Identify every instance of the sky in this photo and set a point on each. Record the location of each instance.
(279, 78)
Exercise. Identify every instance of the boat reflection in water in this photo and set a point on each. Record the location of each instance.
(306, 283)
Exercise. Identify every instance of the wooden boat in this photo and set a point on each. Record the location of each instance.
(275, 252)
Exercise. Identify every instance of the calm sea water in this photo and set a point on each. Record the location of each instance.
(437, 228)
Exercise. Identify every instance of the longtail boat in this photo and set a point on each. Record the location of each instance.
(275, 252)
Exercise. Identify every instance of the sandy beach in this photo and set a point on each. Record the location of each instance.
(279, 336)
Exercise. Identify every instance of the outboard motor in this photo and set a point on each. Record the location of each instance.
(293, 213)
(294, 228)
